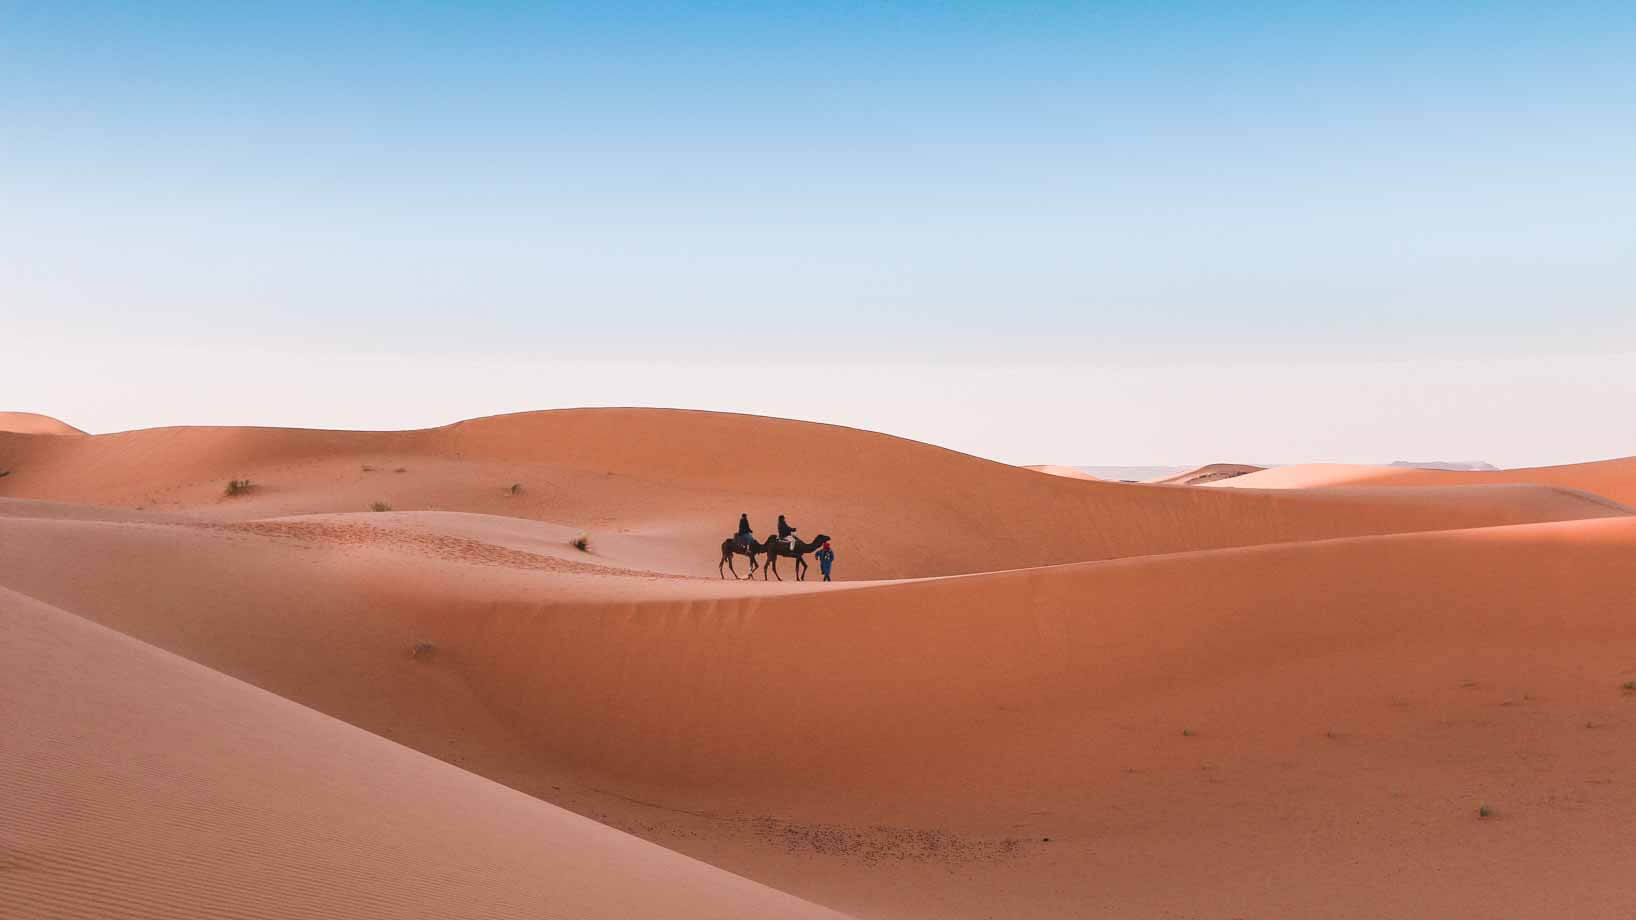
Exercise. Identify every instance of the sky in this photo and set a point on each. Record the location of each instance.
(1038, 232)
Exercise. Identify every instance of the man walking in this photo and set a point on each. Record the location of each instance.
(826, 558)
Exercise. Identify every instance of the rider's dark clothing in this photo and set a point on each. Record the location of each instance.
(745, 536)
(784, 529)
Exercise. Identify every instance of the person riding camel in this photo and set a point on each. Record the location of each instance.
(786, 532)
(745, 536)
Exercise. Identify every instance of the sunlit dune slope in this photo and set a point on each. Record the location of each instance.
(33, 423)
(136, 784)
(1067, 472)
(1615, 479)
(1210, 472)
(678, 480)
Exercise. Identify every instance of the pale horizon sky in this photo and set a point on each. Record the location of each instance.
(1111, 233)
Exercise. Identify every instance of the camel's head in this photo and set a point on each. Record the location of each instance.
(821, 540)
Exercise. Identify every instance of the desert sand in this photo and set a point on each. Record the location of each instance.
(1025, 696)
(34, 423)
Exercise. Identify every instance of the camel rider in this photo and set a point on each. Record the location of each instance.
(746, 538)
(786, 532)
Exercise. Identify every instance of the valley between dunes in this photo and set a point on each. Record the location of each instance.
(1301, 693)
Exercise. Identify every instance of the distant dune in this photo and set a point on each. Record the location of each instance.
(1614, 479)
(1445, 464)
(31, 423)
(1067, 472)
(1210, 472)
(1031, 695)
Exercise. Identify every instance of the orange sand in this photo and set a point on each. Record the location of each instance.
(1039, 696)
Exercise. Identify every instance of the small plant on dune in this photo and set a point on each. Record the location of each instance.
(581, 542)
(4, 473)
(366, 468)
(380, 506)
(1484, 811)
(401, 469)
(422, 650)
(516, 488)
(237, 487)
(1188, 733)
(1628, 685)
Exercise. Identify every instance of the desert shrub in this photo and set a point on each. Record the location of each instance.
(581, 542)
(237, 487)
(380, 506)
(1484, 811)
(421, 650)
(516, 488)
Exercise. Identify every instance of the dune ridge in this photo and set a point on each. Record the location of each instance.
(34, 423)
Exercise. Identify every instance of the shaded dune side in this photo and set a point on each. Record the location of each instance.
(1615, 479)
(898, 508)
(137, 784)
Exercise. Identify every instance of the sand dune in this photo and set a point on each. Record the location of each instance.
(1066, 472)
(1615, 479)
(1210, 472)
(137, 784)
(1252, 703)
(677, 480)
(32, 423)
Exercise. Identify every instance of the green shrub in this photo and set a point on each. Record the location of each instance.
(238, 487)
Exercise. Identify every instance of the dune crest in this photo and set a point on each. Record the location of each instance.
(34, 423)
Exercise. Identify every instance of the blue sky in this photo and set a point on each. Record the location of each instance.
(1003, 183)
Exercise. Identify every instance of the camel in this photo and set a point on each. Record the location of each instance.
(731, 547)
(776, 547)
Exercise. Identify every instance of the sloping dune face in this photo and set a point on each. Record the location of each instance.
(137, 784)
(32, 423)
(1360, 701)
(896, 508)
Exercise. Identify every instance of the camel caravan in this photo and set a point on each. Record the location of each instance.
(785, 544)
